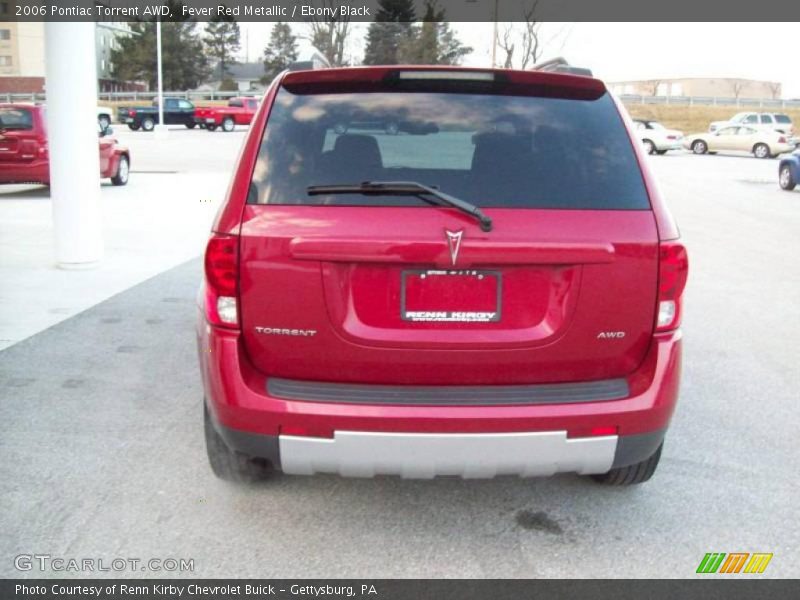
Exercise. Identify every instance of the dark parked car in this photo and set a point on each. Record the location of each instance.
(496, 292)
(177, 111)
(789, 171)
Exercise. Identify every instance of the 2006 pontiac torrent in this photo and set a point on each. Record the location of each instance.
(425, 271)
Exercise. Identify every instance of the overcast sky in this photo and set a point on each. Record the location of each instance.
(620, 51)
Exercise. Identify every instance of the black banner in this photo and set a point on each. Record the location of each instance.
(712, 588)
(368, 10)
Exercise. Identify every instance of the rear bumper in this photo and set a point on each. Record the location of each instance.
(357, 439)
(36, 171)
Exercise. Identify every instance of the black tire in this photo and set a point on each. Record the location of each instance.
(133, 126)
(786, 178)
(699, 147)
(190, 125)
(228, 124)
(211, 127)
(649, 146)
(123, 171)
(148, 124)
(661, 152)
(632, 474)
(228, 464)
(104, 121)
(762, 151)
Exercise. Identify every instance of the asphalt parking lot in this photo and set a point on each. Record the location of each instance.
(102, 444)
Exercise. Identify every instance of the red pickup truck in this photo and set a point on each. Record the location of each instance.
(239, 111)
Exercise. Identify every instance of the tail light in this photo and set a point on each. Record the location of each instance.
(782, 140)
(221, 269)
(673, 270)
(672, 137)
(131, 113)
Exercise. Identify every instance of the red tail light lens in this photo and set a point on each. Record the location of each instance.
(673, 270)
(221, 265)
(131, 113)
(781, 140)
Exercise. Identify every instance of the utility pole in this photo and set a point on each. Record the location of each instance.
(494, 33)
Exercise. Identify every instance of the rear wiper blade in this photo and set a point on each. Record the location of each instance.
(404, 188)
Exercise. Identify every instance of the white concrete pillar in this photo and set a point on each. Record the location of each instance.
(71, 87)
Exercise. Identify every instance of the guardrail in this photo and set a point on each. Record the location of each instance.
(760, 103)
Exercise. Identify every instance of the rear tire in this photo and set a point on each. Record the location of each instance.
(661, 152)
(649, 146)
(786, 179)
(123, 171)
(228, 464)
(699, 147)
(632, 474)
(762, 151)
(190, 125)
(228, 124)
(148, 124)
(211, 127)
(104, 121)
(133, 127)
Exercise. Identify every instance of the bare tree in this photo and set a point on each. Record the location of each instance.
(527, 34)
(507, 45)
(530, 37)
(329, 35)
(737, 85)
(775, 89)
(654, 84)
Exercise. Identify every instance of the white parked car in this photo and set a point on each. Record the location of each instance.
(656, 138)
(757, 120)
(761, 143)
(104, 116)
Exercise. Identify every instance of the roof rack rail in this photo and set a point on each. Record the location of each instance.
(559, 64)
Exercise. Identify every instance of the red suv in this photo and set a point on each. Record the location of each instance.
(24, 153)
(495, 289)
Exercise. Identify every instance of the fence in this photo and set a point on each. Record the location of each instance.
(199, 96)
(753, 103)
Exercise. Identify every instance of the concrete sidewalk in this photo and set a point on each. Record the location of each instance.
(159, 220)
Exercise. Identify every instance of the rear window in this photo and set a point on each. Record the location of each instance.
(16, 119)
(491, 150)
(782, 119)
(236, 103)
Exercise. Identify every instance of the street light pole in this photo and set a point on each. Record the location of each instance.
(160, 82)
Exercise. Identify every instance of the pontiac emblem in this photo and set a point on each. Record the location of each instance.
(454, 243)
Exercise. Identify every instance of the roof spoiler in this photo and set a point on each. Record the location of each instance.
(560, 65)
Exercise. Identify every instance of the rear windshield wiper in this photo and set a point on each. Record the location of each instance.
(404, 188)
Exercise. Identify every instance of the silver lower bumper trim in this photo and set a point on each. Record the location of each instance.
(425, 455)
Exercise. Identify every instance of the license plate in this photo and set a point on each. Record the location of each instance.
(451, 296)
(209, 120)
